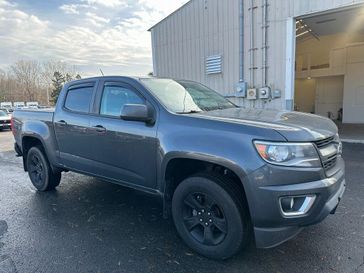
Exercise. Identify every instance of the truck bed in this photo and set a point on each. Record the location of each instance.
(34, 114)
(24, 122)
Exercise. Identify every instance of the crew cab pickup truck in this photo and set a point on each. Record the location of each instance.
(225, 173)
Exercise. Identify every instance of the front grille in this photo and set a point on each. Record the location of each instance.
(330, 160)
(324, 142)
(4, 121)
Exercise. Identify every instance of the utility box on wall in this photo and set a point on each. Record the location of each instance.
(264, 93)
(241, 89)
(252, 94)
(276, 94)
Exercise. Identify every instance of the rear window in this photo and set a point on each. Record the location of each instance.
(79, 99)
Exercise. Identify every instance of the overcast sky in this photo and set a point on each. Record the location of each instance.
(91, 34)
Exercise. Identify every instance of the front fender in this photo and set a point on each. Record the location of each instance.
(229, 164)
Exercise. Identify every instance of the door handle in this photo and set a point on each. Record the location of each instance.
(62, 122)
(100, 129)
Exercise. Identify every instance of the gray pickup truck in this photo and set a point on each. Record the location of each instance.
(226, 174)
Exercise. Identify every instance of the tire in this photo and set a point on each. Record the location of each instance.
(210, 215)
(40, 171)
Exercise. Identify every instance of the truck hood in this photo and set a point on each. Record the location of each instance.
(294, 126)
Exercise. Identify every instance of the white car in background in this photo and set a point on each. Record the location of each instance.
(5, 120)
(9, 111)
(32, 104)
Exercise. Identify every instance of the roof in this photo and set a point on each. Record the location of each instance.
(106, 77)
(97, 78)
(183, 6)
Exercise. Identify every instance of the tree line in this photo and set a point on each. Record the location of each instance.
(28, 80)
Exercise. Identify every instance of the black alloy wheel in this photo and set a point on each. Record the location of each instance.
(36, 170)
(204, 219)
(40, 171)
(211, 215)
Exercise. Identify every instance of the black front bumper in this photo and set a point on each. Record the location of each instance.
(271, 227)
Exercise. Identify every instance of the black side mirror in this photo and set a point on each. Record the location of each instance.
(136, 112)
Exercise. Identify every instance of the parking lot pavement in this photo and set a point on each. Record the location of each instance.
(6, 141)
(88, 225)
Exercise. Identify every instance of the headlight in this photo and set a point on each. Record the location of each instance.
(288, 154)
(339, 144)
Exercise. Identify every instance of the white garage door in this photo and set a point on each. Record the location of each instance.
(354, 94)
(329, 96)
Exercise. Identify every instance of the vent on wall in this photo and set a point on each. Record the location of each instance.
(214, 64)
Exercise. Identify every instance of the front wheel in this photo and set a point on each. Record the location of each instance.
(40, 172)
(210, 215)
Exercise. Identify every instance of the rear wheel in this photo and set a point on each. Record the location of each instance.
(210, 215)
(40, 172)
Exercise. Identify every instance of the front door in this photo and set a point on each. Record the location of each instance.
(125, 151)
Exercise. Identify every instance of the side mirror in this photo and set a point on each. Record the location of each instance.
(136, 112)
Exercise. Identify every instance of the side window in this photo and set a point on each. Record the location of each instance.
(115, 97)
(79, 99)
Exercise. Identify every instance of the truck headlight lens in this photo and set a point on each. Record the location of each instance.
(288, 154)
(339, 144)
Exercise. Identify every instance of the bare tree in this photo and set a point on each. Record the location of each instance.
(28, 75)
(2, 85)
(49, 68)
(32, 80)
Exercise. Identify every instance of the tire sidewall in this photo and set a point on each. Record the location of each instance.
(45, 183)
(235, 225)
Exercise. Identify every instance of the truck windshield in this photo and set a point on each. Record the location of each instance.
(185, 97)
(3, 114)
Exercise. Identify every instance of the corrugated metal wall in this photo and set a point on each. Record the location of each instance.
(208, 27)
(200, 29)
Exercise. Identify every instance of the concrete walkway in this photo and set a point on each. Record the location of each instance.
(351, 133)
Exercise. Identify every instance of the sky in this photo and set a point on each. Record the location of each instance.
(91, 34)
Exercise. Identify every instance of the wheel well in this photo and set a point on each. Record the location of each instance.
(179, 169)
(27, 144)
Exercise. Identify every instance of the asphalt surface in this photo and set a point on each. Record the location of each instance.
(88, 225)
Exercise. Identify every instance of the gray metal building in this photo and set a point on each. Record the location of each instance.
(255, 51)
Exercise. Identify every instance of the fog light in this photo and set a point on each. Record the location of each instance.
(287, 203)
(292, 206)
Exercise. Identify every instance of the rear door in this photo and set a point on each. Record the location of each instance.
(71, 123)
(125, 151)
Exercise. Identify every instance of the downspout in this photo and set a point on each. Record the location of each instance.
(265, 44)
(251, 43)
(241, 29)
(252, 49)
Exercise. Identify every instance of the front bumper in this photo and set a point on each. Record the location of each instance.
(271, 227)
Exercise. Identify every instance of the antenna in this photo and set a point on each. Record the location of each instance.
(102, 73)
